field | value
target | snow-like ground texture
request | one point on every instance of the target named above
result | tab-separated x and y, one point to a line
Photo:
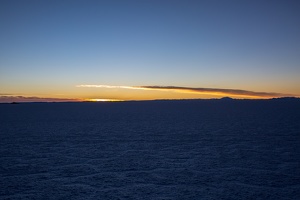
216	149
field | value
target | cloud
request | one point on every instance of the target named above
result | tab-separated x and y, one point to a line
211	91
107	86
216	91
5	94
8	99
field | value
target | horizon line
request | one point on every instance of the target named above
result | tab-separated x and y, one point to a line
142	100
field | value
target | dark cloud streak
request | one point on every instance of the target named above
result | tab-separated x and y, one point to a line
234	92
8	99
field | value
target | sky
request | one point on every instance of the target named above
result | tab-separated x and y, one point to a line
74	50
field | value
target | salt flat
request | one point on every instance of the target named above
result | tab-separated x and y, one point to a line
200	149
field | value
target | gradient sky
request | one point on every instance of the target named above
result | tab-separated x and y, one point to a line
55	50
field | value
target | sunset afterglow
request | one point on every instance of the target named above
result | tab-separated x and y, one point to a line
145	50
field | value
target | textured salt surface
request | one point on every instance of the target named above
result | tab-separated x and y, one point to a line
150	150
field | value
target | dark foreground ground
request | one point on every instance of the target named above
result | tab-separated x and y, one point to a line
217	149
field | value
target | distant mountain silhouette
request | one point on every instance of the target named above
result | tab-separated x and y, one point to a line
226	99
286	99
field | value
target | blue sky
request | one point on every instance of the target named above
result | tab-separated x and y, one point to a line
49	47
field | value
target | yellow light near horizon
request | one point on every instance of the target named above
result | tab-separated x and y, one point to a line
103	100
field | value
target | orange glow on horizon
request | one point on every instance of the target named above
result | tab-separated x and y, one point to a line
212	92
108	93
103	100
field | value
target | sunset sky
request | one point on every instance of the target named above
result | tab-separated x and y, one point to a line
63	50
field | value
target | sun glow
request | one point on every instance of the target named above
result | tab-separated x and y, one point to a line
102	100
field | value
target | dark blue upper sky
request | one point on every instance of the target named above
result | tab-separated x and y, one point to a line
244	44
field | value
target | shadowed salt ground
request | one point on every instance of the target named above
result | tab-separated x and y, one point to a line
150	150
